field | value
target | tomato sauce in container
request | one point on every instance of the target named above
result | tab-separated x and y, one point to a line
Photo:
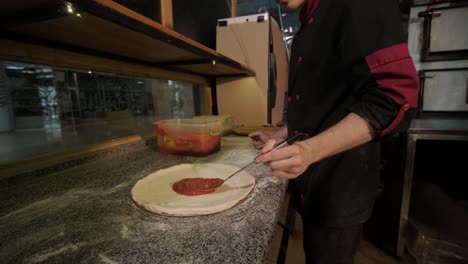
188	136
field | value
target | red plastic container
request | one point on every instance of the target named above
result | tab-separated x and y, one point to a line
189	136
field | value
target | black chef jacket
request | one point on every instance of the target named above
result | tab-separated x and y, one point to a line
348	56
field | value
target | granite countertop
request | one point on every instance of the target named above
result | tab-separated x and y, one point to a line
84	213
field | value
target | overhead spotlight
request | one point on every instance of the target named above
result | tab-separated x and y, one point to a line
70	9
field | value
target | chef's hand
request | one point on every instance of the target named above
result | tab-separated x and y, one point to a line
259	138
287	162
293	160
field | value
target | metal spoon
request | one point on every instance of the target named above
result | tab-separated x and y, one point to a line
288	141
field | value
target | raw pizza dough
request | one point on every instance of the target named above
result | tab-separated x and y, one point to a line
154	192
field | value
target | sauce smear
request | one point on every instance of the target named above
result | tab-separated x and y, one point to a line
196	186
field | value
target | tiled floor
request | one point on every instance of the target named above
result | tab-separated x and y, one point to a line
367	252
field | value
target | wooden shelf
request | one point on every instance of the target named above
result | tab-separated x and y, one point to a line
105	29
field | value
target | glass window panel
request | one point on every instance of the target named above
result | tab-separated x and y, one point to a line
45	110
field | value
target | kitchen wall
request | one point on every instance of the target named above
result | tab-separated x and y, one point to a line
198	19
194	19
45	109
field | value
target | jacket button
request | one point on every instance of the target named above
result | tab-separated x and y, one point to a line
299	59
311	20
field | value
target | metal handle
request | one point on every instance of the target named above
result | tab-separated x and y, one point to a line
429	14
426	76
289	140
466	91
296	137
423	76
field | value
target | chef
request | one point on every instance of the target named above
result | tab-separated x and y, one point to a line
351	82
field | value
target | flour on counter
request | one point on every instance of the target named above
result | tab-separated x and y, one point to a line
106	259
40	257
265	181
124	231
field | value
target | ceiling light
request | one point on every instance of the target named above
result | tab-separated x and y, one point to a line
70	9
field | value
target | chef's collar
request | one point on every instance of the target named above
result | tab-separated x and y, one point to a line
307	10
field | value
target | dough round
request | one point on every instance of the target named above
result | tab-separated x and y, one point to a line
154	192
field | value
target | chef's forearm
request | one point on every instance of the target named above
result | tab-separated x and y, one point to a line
350	132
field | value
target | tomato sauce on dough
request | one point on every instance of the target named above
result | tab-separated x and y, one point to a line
196	186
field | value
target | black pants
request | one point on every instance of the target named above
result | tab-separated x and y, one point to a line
335	196
331	245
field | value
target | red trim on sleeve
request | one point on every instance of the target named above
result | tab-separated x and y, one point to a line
396	121
395	74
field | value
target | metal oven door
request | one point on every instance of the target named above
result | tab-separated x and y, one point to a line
445	33
444	92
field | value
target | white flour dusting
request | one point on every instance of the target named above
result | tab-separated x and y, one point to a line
40	257
124	231
106	259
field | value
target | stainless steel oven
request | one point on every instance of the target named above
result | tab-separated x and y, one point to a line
438	43
444	92
445	32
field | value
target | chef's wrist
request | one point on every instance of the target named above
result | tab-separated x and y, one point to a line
314	152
